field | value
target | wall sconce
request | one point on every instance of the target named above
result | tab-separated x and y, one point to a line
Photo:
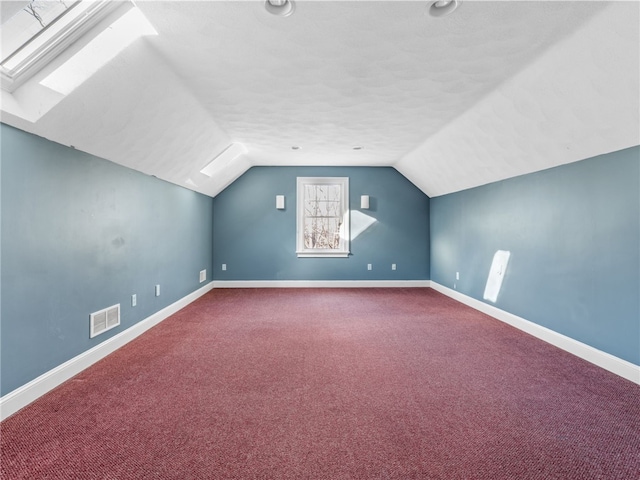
364	202
280	202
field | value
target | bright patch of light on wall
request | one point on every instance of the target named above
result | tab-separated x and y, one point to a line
99	51
360	222
496	275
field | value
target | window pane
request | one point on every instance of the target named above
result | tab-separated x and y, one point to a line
29	22
322	209
322	233
322	200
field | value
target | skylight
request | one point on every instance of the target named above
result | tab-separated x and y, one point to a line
28	23
41	30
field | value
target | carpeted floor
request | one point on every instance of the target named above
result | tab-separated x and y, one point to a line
330	384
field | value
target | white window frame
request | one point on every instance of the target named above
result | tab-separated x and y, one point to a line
53	40
343	250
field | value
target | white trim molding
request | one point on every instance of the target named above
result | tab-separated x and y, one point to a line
602	359
24	395
320	283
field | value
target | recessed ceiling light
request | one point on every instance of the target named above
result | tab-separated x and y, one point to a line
295	147
440	8
358	147
281	8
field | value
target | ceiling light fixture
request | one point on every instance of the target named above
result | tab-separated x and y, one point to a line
295	147
358	147
441	8
281	8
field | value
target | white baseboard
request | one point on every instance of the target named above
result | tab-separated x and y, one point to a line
602	359
24	395
319	283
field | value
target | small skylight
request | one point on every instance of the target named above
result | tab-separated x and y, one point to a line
224	158
41	30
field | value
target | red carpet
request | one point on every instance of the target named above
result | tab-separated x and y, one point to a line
331	384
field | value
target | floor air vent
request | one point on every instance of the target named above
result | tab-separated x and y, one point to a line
105	320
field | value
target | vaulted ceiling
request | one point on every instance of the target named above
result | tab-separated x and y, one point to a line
494	90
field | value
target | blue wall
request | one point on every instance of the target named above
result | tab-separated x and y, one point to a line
80	234
574	237
258	242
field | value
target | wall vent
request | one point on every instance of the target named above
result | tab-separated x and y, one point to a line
104	320
203	275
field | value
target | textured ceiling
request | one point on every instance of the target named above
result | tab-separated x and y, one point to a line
496	89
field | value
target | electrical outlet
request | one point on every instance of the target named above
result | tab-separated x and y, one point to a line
457	275
393	266
157	290
369	266
134	300
224	267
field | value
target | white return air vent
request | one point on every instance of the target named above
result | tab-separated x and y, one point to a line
105	320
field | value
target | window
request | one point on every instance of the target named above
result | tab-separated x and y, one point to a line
323	217
42	29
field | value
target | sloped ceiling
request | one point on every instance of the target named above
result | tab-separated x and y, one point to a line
494	90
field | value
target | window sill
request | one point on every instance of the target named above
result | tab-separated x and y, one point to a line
323	253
